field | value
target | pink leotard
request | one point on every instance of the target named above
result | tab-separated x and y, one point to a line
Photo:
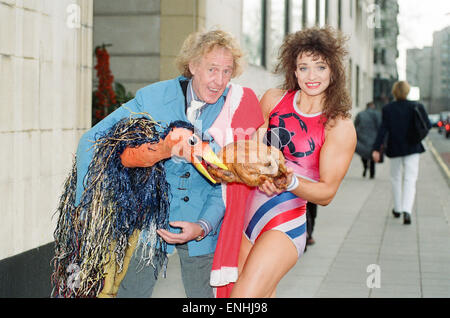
300	137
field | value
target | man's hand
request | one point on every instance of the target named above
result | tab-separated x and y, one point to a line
189	232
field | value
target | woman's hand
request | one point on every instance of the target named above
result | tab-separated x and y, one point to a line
376	156
270	189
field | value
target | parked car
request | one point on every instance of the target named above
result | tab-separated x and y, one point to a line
434	119
444	121
447	127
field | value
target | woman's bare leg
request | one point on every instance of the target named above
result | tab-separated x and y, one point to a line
270	258
244	250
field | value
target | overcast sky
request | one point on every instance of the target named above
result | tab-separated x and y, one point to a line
418	19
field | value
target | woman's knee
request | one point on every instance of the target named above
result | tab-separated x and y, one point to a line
270	258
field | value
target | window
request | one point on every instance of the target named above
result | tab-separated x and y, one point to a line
296	15
339	14
311	13
357	86
377	33
377	86
321	12
278	28
349	79
358	20
253	29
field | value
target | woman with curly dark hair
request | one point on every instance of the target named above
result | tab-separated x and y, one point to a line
308	119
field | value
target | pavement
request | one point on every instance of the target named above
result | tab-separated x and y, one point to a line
361	250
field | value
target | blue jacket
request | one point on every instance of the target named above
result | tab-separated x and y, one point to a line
193	196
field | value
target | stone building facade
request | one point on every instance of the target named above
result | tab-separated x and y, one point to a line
45	87
46	83
429	69
147	35
385	51
419	72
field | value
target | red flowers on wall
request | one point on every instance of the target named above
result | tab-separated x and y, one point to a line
105	99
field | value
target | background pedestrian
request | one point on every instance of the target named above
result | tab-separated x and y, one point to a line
404	153
367	123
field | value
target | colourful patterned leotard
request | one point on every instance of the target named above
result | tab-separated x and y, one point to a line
300	137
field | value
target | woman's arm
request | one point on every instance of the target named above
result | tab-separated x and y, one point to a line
335	157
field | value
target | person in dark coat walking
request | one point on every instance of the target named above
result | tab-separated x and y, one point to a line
367	123
403	153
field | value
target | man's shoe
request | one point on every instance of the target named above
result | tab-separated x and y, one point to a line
396	214
406	218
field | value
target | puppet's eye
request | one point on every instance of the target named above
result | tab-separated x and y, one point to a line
193	140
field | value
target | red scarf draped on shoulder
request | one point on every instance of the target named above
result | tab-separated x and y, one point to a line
241	115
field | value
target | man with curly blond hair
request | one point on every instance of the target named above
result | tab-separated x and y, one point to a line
207	62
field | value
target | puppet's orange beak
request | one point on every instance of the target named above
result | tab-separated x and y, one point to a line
207	157
183	143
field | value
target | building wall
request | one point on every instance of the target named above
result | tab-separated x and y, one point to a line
386	39
173	20
228	15
45	86
429	69
419	73
132	27
385	46
354	17
179	18
440	92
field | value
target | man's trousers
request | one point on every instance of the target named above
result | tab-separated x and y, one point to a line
195	272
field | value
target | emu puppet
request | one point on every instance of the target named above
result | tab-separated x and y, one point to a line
123	203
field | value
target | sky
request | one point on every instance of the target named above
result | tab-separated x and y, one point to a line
418	19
